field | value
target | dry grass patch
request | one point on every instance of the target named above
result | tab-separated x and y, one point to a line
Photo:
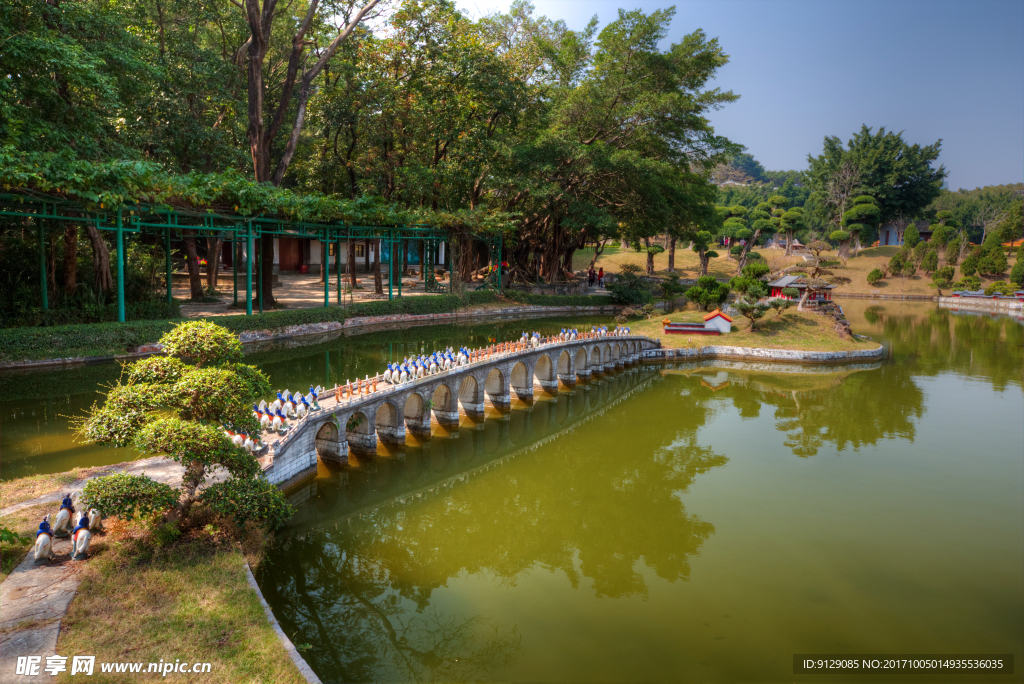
800	330
687	265
25	488
190	601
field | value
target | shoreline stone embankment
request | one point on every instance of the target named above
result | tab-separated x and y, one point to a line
763	354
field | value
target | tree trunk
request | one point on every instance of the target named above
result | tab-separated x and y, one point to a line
746	250
213	249
70	258
192	264
100	259
422	258
650	257
789	243
351	265
803	299
323	260
366	255
672	255
704	260
378	285
625	244
598	250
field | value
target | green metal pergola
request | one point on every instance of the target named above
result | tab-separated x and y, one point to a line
47	210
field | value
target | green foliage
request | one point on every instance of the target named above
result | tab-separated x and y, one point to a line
252	500
943	276
875	276
756	270
790	292
839	236
1017	272
188	441
971	282
780	305
749	305
940	235
118	420
628	287
930	261
708	292
1000	287
128	496
993	263
743	284
203	342
899	261
156	370
911	236
971	208
8	536
952	252
969	266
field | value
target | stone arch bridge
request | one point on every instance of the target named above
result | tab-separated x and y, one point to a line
358	423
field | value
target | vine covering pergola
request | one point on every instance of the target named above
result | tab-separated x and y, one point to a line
48	210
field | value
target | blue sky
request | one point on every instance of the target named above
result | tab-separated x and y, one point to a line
807	69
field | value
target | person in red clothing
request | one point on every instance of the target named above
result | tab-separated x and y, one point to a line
600	277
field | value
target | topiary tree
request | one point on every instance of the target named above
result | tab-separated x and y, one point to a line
930	262
816	275
756	270
1017	272
856	222
943	277
702	246
628	287
780	305
790	222
969	266
166	405
765	219
875	276
911	236
993	263
749	304
708	291
672	288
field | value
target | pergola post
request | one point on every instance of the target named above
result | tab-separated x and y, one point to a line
249	246
120	268
326	270
263	246
234	267
167	262
42	264
391	261
337	265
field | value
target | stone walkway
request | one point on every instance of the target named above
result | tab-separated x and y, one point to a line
33	599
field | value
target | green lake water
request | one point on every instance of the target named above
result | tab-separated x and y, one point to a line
687	522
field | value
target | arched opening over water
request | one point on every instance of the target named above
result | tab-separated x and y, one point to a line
417	419
360	433
606	354
581	360
389	428
564	363
470	401
496	389
328	444
443	410
595	356
521	386
543	373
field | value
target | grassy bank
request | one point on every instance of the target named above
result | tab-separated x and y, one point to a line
24	522
108	339
190	601
799	330
25	488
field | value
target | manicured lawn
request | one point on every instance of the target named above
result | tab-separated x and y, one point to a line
687	264
25	488
793	330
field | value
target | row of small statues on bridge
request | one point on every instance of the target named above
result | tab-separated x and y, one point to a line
88	523
274	416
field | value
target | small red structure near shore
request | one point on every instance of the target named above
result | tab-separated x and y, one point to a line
715	323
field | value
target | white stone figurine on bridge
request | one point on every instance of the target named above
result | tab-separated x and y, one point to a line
95	520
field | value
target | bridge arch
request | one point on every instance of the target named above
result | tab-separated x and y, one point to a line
606	354
360	433
544	374
417	418
389	424
328	444
595	356
564	363
496	388
520	384
470	401
581	360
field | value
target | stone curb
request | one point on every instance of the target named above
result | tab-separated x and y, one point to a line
761	354
293	652
982	304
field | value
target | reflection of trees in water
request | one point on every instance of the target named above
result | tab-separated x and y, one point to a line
360	591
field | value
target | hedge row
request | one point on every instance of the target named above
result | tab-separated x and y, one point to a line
106	339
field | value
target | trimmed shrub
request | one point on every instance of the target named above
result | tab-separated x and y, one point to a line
1000	287
128	496
969	266
911	236
930	262
1017	273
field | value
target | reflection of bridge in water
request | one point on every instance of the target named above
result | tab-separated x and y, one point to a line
358	424
404	473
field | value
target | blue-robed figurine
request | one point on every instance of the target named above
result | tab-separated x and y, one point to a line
44	527
83	524
66	503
